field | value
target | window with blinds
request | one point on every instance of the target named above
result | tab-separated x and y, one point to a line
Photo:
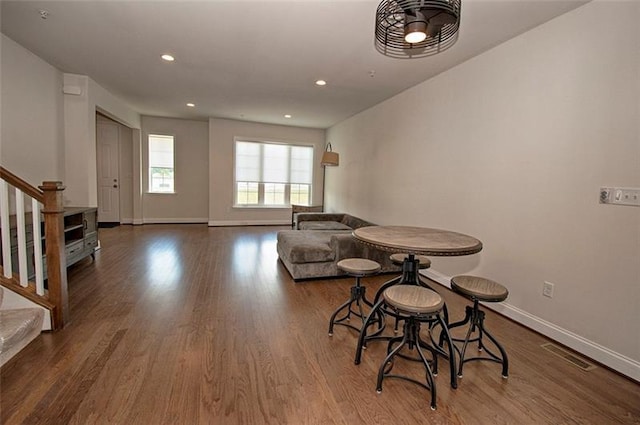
161	164
272	174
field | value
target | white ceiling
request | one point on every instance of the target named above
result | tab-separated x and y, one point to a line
250	60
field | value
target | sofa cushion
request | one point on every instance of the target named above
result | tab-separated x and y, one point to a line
306	246
323	225
354	222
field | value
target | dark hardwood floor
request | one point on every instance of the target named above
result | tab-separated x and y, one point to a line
187	324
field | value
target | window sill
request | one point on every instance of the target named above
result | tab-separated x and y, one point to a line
161	193
263	207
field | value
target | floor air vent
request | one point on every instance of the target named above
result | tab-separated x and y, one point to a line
568	356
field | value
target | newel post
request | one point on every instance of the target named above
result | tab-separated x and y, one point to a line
53	211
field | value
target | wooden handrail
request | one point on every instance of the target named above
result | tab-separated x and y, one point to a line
16	181
50	195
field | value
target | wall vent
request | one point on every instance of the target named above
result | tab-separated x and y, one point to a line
568	356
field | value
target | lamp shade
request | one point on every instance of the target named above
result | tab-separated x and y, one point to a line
330	158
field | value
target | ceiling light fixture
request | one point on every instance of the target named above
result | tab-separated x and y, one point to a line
168	58
321	83
191	105
416	28
287	116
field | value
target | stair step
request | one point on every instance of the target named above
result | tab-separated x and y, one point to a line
18	327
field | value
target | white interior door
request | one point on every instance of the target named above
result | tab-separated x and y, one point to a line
108	179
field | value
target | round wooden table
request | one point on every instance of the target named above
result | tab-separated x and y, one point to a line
415	241
418	240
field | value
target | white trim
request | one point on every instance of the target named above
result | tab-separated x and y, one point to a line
616	361
126	221
216	223
23	272
4	224
181	220
37	246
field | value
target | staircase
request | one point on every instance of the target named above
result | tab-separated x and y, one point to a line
32	250
18	327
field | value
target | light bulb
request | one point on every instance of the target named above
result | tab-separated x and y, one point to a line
415	37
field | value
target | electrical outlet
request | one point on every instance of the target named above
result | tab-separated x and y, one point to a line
547	289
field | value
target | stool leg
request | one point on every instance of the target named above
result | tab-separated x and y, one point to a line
467	319
335	313
410	337
464	349
445	335
503	359
429	375
356	296
363	332
386	360
476	319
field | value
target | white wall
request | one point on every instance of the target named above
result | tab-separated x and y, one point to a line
80	135
190	202
221	140
512	147
31	115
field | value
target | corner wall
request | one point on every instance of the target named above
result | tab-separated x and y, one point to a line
512	147
31	115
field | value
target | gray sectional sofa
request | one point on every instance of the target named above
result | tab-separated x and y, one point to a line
320	241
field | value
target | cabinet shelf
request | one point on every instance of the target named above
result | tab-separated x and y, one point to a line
80	237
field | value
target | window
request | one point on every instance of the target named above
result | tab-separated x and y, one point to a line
272	174
300	194
161	170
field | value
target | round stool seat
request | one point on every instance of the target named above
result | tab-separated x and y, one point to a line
359	266
479	288
413	299
423	260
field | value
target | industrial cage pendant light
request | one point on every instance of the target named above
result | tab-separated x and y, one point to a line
416	28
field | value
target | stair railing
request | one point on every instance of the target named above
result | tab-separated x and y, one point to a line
17	213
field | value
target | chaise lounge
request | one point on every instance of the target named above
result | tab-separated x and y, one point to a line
320	241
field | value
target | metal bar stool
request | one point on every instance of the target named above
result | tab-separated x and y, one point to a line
478	289
415	305
359	268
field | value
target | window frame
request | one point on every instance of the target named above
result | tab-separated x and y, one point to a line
261	185
148	174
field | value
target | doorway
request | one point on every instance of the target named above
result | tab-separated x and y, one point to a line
108	145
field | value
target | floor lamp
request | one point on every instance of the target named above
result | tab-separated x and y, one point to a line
329	159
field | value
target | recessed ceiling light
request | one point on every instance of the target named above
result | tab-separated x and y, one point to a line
287	116
168	58
191	105
321	83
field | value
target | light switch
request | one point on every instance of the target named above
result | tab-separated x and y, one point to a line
620	196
